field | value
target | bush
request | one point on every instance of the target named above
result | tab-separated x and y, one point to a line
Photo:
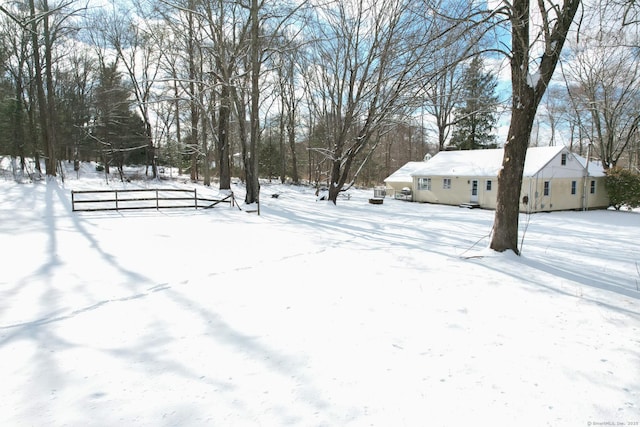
623	187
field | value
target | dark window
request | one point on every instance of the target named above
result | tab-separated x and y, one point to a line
563	160
593	187
573	187
489	184
547	188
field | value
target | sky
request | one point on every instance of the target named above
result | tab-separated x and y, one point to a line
311	314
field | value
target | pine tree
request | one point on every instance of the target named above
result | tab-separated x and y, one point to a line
476	118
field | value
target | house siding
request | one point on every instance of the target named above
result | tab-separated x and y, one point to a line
460	191
560	197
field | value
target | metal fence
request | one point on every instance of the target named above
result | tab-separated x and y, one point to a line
156	198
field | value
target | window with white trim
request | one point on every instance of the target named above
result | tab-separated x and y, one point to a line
489	185
446	183
547	188
424	184
592	188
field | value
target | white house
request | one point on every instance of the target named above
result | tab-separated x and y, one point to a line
553	179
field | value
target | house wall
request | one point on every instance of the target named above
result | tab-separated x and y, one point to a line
560	195
459	191
599	200
559	198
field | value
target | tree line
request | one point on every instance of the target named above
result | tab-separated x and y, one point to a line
330	92
333	92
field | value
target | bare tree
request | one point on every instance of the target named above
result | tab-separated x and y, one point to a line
184	59
443	93
368	59
604	81
15	47
288	86
139	50
533	62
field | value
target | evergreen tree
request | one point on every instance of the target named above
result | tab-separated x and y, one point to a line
476	118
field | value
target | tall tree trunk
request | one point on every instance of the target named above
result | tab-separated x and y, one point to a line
192	50
50	148
224	113
292	145
251	166
178	121
152	158
281	139
505	227
43	106
526	96
206	151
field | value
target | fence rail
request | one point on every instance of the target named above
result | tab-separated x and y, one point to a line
156	198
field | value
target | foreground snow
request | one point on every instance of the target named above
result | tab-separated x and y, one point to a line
312	314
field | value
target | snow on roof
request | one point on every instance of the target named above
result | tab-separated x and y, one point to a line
404	174
595	166
484	162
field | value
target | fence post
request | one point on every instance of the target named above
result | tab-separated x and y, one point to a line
117	207
157	201
195	197
73	201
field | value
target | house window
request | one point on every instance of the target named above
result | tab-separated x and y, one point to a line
593	187
574	185
446	183
563	159
489	184
424	184
547	188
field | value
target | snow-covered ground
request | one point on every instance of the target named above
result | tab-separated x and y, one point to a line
312	314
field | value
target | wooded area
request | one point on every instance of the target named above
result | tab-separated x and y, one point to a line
333	93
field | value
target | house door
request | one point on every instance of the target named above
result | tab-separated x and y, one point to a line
474	191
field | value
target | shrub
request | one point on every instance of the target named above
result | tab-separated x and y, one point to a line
623	187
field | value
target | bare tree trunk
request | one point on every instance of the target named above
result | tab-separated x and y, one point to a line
526	97
47	131
50	149
224	113
292	144
281	139
192	50
505	227
251	166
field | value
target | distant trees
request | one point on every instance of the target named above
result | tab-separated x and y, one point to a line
476	117
604	88
367	61
119	132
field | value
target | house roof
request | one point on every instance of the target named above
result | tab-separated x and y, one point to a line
483	162
595	167
405	173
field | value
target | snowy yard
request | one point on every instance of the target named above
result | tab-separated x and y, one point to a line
312	314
